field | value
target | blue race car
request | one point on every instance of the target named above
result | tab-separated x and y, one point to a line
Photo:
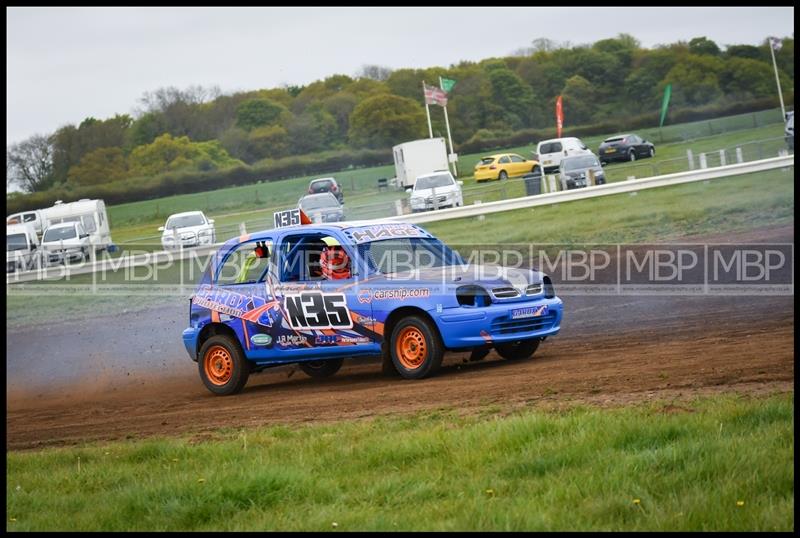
317	294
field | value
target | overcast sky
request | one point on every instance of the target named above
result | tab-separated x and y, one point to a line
64	64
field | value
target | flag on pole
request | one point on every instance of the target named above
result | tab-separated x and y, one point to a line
435	96
775	43
665	104
446	84
559	116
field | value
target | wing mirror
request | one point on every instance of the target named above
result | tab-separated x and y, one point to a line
211	221
460	182
160	228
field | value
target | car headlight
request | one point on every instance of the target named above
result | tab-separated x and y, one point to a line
205	232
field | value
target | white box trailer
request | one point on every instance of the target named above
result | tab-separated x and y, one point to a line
91	213
417	158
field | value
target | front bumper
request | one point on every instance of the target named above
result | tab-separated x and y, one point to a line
60	256
466	327
190	341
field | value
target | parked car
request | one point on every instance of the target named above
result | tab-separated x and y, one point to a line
625	147
322	207
189	229
550	152
436	191
64	242
395	296
503	166
789	130
575	171
22	247
326	184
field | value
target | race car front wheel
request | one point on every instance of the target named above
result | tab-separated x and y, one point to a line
223	367
416	348
521	349
324	368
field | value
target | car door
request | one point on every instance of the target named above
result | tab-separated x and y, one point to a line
504	164
321	318
519	166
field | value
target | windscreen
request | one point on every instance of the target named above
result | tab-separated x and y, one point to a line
430	182
318	202
16	242
59	234
587	161
407	254
487	160
184	221
614	139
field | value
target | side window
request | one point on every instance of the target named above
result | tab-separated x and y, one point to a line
248	264
517	159
504	159
29	217
555	147
88	223
301	258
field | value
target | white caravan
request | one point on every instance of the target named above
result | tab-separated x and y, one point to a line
90	213
418	158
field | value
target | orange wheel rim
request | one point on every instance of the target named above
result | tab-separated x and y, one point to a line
218	365
411	348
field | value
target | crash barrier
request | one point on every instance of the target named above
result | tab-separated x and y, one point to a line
476	209
619	187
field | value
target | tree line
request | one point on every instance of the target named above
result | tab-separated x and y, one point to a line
199	129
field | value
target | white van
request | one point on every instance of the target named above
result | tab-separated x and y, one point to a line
22	247
550	152
33	217
90	213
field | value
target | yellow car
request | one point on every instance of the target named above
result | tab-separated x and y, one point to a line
502	166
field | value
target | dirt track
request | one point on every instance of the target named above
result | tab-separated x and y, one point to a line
611	350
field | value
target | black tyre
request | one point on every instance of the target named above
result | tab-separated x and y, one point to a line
632	155
521	349
502	175
223	367
320	369
416	347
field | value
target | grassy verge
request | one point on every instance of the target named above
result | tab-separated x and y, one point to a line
717	206
720	463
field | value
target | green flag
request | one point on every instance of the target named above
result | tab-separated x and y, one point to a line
447	84
665	103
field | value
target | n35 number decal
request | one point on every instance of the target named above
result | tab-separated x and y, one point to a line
290	217
316	310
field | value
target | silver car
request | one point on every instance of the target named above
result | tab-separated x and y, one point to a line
575	171
322	207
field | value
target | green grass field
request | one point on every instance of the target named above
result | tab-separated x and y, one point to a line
136	224
722	463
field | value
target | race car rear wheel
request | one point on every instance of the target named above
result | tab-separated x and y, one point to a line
503	175
521	349
324	368
223	367
416	347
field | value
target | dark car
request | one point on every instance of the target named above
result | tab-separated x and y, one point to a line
326	184
627	147
322	207
575	171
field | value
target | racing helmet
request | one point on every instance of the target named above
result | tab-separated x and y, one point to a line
334	261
